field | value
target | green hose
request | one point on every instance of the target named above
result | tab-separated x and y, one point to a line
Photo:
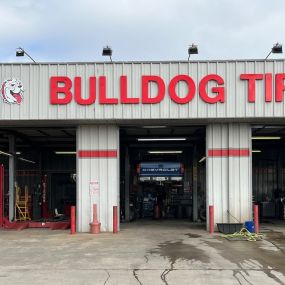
244	234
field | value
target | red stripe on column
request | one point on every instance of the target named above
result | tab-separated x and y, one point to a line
239	152
97	153
215	152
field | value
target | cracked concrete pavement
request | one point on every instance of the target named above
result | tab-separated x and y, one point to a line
148	252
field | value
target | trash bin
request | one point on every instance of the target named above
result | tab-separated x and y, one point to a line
229	228
249	225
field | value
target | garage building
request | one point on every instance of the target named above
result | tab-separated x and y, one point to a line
156	139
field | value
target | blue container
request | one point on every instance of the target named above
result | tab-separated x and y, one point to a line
249	225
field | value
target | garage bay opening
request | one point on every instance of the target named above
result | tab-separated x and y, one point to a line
268	171
163	173
40	174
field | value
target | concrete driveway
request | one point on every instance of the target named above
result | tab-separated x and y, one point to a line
149	252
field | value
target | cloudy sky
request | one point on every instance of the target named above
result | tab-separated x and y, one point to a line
76	30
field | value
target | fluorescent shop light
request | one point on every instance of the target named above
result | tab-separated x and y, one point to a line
202	159
18	152
5	153
65	152
256	150
160	139
165	151
266	138
26	160
154	127
266	127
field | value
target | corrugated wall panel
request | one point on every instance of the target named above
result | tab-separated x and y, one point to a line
36	80
240	185
220	109
269	67
229	171
193	106
217	171
102	170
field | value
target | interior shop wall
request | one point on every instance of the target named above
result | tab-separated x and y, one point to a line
268	176
58	168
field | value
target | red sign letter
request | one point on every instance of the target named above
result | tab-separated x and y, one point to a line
251	84
146	99
191	89
92	91
55	90
102	92
268	87
219	90
124	92
279	86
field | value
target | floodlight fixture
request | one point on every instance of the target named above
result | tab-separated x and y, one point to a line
107	51
21	52
277	48
193	49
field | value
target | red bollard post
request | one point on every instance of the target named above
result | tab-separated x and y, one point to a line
72	220
256	219
115	219
211	219
95	225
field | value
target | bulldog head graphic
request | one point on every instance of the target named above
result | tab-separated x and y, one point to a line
12	91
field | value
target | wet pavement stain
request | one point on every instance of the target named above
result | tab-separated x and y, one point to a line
174	251
277	239
243	253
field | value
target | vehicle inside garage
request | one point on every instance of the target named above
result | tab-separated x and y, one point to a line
163	173
40	166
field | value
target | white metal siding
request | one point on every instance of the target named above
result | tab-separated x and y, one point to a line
229	186
36	104
103	170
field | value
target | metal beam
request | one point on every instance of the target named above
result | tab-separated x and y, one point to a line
195	184
11	178
127	185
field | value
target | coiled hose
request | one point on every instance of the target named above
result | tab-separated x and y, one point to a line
244	234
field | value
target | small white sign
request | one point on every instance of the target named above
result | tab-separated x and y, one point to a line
94	188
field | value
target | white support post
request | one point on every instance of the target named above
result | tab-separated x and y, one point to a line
229	171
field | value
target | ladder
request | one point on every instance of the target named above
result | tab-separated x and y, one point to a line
22	205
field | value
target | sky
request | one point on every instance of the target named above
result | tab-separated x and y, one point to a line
140	30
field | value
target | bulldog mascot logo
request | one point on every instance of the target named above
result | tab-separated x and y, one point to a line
12	91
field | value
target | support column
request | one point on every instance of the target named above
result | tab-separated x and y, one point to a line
97	174
127	185
11	178
195	184
229	171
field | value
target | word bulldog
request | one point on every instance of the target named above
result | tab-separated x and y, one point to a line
61	90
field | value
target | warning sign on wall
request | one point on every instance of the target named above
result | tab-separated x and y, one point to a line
94	188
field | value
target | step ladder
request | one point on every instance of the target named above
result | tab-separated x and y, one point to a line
22	205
